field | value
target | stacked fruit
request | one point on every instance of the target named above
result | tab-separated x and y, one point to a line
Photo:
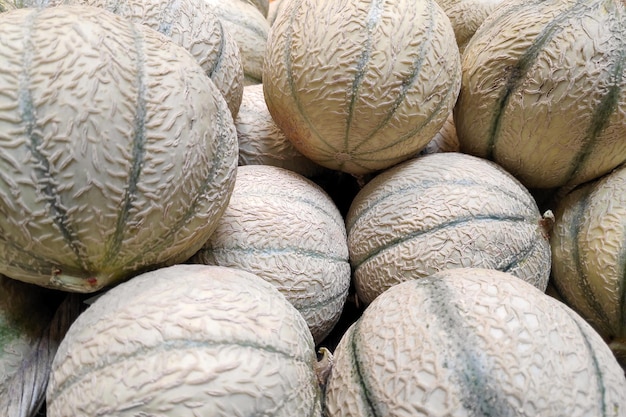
312	207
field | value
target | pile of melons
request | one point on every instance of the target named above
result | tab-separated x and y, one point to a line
327	208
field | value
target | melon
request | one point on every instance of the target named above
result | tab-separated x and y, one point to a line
261	142
589	255
543	90
250	29
287	230
440	211
360	86
118	153
190	24
445	140
466	16
186	341
472	342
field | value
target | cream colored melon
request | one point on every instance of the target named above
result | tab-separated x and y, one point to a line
544	90
261	142
249	27
466	16
118	153
190	24
287	230
440	211
360	86
445	140
589	262
473	342
187	341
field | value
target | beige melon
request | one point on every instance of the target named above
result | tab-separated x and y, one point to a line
589	256
118	153
440	211
261	142
249	27
287	230
360	86
472	342
466	16
544	90
187	341
445	140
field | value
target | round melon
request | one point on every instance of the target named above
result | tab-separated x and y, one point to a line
118	153
589	256
261	142
472	342
543	90
249	27
440	211
287	230
466	16
360	86
187	341
190	24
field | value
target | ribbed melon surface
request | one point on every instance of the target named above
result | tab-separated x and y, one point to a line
358	86
187	341
261	142
589	262
544	90
472	342
444	210
116	154
287	230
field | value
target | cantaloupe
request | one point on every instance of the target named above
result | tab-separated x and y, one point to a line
284	228
445	140
261	142
589	262
544	90
187	341
439	211
117	152
472	342
190	24
250	28
466	16
360	86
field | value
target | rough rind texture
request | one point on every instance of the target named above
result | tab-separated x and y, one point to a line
249	27
360	86
544	90
445	140
288	231
444	210
117	152
466	16
187	340
190	24
472	342
589	254
261	142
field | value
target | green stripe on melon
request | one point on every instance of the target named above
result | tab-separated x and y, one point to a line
373	99
559	64
109	177
472	342
444	210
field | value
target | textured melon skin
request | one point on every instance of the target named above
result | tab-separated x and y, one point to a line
247	24
544	93
287	230
360	86
261	142
117	152
444	210
472	342
187	340
589	255
190	24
